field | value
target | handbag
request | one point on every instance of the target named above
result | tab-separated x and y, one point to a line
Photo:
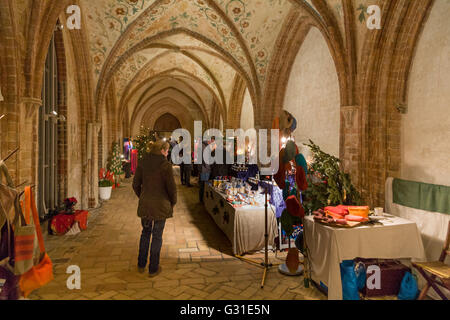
349	281
408	288
24	241
391	273
42	273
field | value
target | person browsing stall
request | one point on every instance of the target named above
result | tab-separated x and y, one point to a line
154	184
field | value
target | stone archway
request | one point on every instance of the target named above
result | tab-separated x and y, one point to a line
167	123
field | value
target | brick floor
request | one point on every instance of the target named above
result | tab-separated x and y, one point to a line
196	258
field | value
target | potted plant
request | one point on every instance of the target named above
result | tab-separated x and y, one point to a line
105	184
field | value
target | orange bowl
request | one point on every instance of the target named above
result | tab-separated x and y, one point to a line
359	211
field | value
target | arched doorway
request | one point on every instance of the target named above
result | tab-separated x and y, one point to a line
166	124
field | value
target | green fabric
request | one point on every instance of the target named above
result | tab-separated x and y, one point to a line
287	223
423	196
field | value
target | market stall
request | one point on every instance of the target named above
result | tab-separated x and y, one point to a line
241	221
389	238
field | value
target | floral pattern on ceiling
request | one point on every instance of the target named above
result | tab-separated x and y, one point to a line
107	20
128	72
259	22
194	15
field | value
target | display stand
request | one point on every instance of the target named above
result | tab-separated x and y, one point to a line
265	265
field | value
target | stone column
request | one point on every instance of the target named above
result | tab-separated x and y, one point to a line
28	140
92	170
350	142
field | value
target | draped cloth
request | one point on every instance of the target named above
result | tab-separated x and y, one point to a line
134	160
328	247
422	196
243	226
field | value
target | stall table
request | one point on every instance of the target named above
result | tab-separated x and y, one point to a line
244	226
394	238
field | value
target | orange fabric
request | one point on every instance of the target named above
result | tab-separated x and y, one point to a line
37	277
42	273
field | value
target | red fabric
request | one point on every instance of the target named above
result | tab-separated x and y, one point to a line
280	176
134	160
300	178
341	210
81	216
62	223
294	207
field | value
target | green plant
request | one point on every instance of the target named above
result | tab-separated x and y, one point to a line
115	163
105	183
328	185
142	143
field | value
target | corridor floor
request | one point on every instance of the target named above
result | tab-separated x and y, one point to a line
196	259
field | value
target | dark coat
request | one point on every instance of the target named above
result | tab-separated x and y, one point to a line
154	184
222	169
204	167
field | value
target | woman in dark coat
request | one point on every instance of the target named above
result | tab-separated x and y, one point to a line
154	184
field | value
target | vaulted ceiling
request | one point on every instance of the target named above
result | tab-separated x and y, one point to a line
197	47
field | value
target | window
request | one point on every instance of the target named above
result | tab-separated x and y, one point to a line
48	136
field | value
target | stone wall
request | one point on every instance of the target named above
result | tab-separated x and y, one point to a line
425	129
312	95
247	113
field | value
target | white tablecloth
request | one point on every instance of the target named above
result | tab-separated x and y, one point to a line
397	238
244	226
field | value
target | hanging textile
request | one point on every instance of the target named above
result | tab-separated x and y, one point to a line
134	160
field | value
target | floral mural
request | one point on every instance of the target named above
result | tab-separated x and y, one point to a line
242	31
107	20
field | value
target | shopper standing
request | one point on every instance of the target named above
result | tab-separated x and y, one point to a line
205	169
182	165
154	184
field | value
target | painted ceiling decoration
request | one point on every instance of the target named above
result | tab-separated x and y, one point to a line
206	43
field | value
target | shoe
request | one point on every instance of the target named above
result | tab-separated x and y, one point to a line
141	270
152	275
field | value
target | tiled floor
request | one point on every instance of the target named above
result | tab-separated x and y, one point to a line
196	259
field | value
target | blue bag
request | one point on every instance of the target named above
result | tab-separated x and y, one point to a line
361	275
349	281
408	289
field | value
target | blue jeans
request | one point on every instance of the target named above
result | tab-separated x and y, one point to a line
155	230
